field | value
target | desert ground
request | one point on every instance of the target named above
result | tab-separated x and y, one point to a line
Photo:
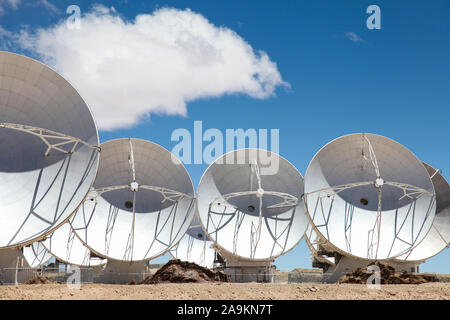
227	291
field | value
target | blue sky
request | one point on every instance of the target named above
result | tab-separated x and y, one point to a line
394	81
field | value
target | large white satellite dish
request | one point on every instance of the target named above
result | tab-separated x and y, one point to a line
141	204
195	246
438	238
250	214
36	254
48	150
369	197
64	245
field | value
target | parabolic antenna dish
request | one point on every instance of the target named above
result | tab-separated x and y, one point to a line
438	238
48	150
36	254
141	205
195	246
369	196
66	247
249	203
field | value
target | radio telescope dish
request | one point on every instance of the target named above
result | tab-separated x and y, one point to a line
438	238
141	205
195	246
250	209
36	255
66	247
48	150
369	197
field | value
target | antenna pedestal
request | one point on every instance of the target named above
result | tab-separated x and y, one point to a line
242	270
14	267
122	272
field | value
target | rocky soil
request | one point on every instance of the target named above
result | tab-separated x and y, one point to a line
388	275
40	280
228	291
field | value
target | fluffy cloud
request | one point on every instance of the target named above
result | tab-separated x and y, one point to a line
156	63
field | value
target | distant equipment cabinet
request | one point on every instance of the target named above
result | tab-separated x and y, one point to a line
249	204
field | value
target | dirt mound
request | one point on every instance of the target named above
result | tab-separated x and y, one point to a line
388	276
40	280
177	271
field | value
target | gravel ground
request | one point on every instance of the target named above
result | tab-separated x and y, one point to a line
228	291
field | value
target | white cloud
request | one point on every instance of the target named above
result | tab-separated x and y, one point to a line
126	70
8	4
353	37
50	6
8	40
14	4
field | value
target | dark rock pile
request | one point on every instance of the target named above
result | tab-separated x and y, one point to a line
40	280
388	275
177	271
